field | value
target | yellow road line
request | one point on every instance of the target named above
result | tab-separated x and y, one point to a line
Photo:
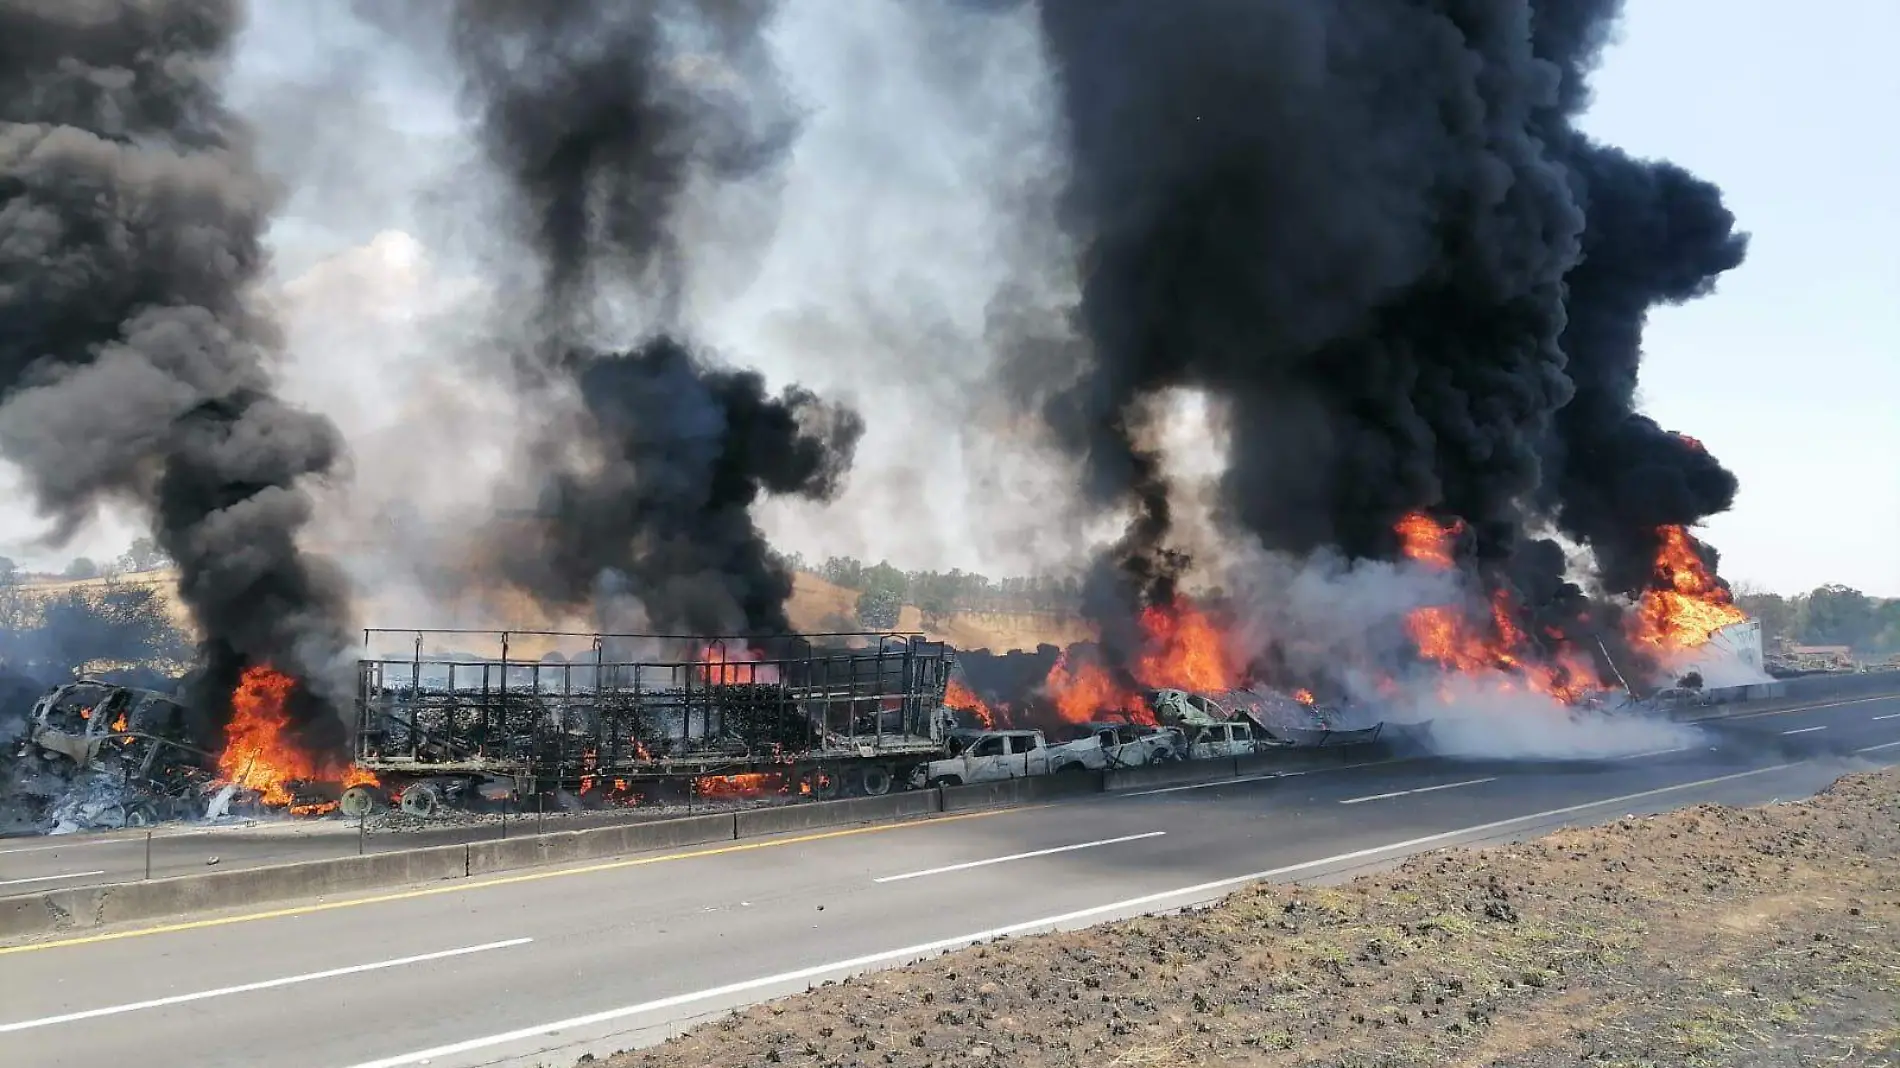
507	880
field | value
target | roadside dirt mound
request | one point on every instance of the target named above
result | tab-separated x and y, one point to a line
1710	936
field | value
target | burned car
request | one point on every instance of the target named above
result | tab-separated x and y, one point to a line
140	738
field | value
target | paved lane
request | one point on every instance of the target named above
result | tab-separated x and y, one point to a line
602	956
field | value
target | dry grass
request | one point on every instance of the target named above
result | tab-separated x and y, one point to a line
1707	937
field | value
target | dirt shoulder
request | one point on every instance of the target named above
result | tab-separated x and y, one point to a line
1710	936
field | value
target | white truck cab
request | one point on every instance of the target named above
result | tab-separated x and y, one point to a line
1210	741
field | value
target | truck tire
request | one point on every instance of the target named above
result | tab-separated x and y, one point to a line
1071	768
825	784
357	802
421	800
876	780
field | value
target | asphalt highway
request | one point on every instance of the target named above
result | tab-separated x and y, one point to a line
35	864
538	967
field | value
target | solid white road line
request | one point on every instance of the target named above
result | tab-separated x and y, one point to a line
1420	790
1260	778
1797	708
1877	748
1895	715
1197	891
1216	782
268	984
1658	752
1805	730
50	878
1017	856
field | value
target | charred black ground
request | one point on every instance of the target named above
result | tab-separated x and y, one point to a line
1373	232
132	367
599	117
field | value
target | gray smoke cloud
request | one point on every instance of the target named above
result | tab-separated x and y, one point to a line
134	366
600	121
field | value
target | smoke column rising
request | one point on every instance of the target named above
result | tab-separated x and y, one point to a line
131	365
601	118
1371	231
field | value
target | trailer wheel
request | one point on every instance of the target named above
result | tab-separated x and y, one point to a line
421	799
824	783
142	814
357	802
877	780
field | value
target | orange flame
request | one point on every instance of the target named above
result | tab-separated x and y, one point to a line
1182	648
1444	635
258	753
1425	540
1304	697
1185	651
1685	605
729	667
749	784
963	699
119	725
1083	691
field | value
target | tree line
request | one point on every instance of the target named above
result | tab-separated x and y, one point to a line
1826	615
883	590
105	629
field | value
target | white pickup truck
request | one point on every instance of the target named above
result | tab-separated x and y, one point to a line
987	756
1119	745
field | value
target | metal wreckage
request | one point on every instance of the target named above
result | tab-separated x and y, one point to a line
813	716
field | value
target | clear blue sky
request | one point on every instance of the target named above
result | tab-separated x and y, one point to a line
1791	371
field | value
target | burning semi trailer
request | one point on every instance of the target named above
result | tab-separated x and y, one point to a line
818	716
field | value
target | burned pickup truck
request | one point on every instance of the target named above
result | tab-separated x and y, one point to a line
138	741
1274	720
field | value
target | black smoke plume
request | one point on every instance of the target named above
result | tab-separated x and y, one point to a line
1657	235
1371	230
600	117
132	366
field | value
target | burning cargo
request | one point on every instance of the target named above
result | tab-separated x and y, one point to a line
826	714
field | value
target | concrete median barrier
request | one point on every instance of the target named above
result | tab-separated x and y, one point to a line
1022	791
1805	689
1172	773
567	847
907	804
94	906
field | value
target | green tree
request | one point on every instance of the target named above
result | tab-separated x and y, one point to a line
144	555
1840	615
1780	616
878	609
82	567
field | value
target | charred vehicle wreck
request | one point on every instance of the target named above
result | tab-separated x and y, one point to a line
136	744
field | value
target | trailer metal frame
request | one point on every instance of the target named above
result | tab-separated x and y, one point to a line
722	705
